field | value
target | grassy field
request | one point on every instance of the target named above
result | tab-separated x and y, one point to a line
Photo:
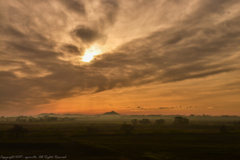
102	138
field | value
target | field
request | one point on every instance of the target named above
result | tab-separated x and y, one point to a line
103	137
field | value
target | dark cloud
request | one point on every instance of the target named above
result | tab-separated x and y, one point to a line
175	54
11	31
72	49
166	108
86	34
176	39
32	50
179	107
75	6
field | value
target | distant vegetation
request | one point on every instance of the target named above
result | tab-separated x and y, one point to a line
17	131
144	121
180	121
135	137
160	121
23	119
134	122
127	128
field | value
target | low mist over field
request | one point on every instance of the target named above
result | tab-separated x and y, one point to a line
118	137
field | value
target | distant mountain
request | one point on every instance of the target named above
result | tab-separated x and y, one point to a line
111	113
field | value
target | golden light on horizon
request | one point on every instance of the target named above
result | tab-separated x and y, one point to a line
90	53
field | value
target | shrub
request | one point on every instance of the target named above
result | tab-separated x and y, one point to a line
144	121
180	121
18	131
160	121
134	122
127	128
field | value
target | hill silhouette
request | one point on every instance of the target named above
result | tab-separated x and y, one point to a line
111	113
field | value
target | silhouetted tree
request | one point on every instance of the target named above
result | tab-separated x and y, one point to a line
66	119
18	130
48	119
32	119
144	121
180	121
52	119
160	121
127	128
134	122
2	118
21	119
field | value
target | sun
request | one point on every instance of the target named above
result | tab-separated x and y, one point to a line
90	53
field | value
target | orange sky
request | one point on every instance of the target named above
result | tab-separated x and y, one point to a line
136	57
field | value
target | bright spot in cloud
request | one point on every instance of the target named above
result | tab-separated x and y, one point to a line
90	53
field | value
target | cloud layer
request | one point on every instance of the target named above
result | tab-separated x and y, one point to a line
42	43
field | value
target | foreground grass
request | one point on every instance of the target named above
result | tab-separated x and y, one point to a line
145	146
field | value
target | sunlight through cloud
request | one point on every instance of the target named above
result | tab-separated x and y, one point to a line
90	53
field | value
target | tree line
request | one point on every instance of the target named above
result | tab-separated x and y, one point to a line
30	119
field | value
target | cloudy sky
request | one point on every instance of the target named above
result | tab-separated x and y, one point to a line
133	57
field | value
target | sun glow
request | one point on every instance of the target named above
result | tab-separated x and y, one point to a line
90	53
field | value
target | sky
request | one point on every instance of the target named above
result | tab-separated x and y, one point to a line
136	57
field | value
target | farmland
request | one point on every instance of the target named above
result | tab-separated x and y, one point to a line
103	137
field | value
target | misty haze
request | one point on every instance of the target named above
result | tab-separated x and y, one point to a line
120	80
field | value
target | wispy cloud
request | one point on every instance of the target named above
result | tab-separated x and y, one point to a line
204	41
179	107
